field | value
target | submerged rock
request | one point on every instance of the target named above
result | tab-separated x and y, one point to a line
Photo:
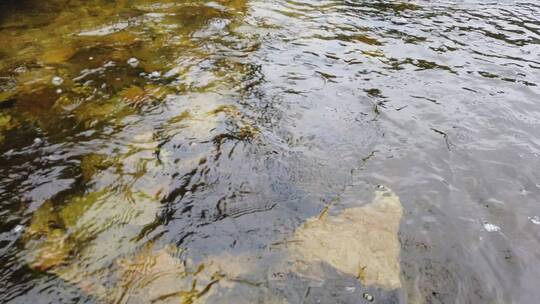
52	251
110	111
358	244
161	277
158	277
98	226
361	241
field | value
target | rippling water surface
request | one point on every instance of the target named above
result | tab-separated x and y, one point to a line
250	151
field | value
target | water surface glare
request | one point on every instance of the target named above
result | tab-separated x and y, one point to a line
269	151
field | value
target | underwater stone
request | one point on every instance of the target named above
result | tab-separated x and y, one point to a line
360	241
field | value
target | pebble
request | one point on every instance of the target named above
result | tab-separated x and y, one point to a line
59	91
38	141
57	80
491	227
133	62
155	74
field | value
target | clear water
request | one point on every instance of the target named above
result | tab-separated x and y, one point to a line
246	151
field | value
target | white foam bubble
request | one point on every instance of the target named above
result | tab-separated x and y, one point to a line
18	228
491	227
535	220
133	62
56	81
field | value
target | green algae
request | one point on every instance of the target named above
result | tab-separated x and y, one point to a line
7	122
92	164
185	115
73	37
107	111
84	223
137	96
76	207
